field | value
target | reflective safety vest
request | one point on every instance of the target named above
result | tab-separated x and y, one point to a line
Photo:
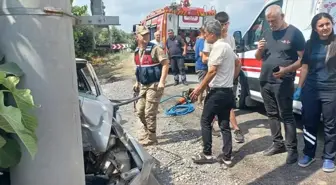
148	71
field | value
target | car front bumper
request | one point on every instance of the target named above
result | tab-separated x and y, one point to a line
146	176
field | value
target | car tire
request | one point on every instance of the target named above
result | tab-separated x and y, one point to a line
241	92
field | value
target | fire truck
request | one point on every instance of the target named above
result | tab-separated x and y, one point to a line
183	19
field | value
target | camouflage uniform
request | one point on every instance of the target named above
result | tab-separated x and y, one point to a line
147	106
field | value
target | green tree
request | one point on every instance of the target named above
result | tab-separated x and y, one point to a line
102	36
83	34
120	36
116	35
79	10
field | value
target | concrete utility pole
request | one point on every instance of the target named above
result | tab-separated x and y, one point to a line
43	47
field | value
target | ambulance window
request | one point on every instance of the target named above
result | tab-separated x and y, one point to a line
152	30
256	31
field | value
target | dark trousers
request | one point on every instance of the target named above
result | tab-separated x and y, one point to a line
278	101
177	66
314	103
218	102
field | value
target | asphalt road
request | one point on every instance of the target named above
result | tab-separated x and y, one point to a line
179	139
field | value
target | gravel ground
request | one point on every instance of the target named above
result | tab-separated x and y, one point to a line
179	140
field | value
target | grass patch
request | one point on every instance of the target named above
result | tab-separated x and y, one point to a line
107	67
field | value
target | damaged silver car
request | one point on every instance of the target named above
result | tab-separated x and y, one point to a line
111	155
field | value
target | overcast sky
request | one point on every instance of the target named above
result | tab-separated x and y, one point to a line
242	12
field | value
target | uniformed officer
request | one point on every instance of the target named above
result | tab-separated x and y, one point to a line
152	67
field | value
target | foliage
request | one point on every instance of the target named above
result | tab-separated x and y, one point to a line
82	34
15	120
83	40
97	60
83	37
120	36
79	10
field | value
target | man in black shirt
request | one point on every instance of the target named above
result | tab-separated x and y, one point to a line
176	54
280	50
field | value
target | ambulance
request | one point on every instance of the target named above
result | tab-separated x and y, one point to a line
183	19
298	13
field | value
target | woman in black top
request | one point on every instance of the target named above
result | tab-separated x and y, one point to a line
318	96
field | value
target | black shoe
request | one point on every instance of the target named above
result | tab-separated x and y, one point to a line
272	146
292	157
239	137
185	83
274	149
176	83
225	161
203	159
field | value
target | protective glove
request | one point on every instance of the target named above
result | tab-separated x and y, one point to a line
297	93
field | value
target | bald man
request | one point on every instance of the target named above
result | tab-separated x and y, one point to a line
157	39
280	49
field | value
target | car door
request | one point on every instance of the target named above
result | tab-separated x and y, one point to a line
95	108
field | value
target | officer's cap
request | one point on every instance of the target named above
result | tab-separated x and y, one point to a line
142	30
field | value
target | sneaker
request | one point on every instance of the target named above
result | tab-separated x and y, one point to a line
185	83
227	162
328	165
306	161
203	159
239	137
176	83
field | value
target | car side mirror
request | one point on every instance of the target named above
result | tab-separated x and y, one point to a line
237	35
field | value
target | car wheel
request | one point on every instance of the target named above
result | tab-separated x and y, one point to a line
240	93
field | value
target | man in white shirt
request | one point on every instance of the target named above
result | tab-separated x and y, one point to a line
219	100
223	18
157	39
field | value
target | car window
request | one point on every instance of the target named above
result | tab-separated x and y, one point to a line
85	82
82	86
